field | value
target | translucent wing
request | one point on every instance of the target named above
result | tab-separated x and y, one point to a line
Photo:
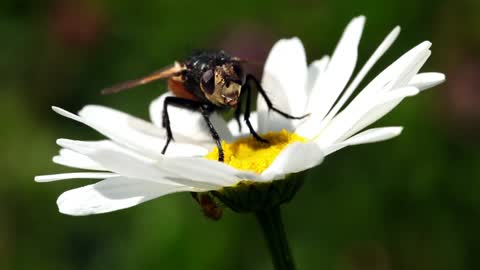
163	73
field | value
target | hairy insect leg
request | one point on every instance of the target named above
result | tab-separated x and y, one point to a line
166	120
179	102
238	113
251	78
248	90
205	110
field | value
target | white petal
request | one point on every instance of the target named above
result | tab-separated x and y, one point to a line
111	195
361	74
314	124
354	119
73	159
135	133
130	164
284	80
198	169
403	65
286	69
339	70
378	98
316	72
308	127
367	136
115	121
115	158
359	113
129	131
426	80
409	71
294	158
374	135
388	103
188	125
273	121
67	114
79	175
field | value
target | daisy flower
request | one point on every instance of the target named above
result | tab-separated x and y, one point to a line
133	170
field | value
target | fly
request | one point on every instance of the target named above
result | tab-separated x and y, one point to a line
205	82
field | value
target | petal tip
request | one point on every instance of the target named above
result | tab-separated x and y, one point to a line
426	44
87	109
414	91
294	39
359	21
290	42
441	77
67	207
396	30
62	141
355	25
66	113
360	18
59	110
396	131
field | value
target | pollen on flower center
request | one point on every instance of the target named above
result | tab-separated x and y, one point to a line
252	155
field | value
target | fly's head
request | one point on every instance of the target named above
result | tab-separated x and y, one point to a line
222	84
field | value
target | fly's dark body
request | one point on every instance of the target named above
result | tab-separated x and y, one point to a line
205	82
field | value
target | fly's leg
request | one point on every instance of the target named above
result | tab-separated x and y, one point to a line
248	91
238	112
206	111
251	79
204	108
178	102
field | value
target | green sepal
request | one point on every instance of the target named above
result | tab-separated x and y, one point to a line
249	196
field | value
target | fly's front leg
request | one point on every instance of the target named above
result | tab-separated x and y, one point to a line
206	111
251	79
179	102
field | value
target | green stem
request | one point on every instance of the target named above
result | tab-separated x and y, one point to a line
272	226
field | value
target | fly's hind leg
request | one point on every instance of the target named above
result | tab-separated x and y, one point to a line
238	113
249	80
205	109
248	91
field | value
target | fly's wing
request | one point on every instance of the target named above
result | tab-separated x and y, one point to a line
248	61
164	73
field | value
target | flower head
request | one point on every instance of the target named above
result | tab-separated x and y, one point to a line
134	170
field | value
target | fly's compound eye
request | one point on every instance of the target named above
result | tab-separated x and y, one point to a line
208	82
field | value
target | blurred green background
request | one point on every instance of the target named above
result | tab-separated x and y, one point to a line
409	203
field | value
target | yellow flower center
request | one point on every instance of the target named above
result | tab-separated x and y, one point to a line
252	155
